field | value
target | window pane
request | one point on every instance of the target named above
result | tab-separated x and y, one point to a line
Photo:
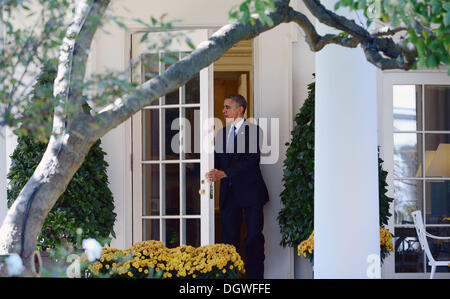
440	250
407	107
191	133
173	97
150	65
150	134
192	232
408	254
150	229
191	195
437	108
407	155
438	158
172	232
192	90
408	196
172	137
437	202
150	69
150	192
172	189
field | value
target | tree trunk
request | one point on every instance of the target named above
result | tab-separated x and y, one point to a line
62	158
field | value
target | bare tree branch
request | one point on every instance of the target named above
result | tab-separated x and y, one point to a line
387	30
382	52
315	41
334	20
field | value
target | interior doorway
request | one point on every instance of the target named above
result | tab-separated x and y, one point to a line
233	73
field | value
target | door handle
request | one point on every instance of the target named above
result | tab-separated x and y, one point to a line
202	191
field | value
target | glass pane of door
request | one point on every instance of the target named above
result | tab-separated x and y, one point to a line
150	193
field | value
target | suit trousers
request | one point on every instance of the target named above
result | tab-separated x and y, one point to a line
231	219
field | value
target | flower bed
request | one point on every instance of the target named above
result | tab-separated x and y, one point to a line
306	247
150	259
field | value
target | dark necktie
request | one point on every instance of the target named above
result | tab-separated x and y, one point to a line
231	140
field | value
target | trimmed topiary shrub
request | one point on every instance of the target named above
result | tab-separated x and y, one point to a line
297	215
296	218
87	203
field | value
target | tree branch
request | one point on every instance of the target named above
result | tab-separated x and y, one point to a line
73	56
315	41
382	52
334	20
387	30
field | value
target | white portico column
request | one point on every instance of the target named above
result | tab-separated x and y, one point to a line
346	212
3	163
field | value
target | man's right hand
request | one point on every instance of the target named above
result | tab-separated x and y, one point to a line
215	175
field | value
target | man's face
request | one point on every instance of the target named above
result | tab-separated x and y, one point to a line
231	110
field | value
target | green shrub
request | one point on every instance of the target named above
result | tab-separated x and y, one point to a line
296	218
297	215
87	202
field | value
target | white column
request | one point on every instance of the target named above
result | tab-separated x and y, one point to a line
3	163
346	212
3	173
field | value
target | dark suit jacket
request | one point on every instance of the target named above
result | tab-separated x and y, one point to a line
244	185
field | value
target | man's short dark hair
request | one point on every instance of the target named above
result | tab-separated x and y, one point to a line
239	100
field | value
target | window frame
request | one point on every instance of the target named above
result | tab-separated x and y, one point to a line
386	81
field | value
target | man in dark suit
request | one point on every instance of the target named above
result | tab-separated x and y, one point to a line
242	188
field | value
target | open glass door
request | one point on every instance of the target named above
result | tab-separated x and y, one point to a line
173	149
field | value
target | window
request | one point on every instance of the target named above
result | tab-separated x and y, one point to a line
421	140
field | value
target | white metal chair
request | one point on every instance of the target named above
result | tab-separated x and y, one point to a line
422	234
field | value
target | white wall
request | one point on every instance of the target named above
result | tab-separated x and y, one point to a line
192	12
303	61
273	99
3	167
3	171
8	142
